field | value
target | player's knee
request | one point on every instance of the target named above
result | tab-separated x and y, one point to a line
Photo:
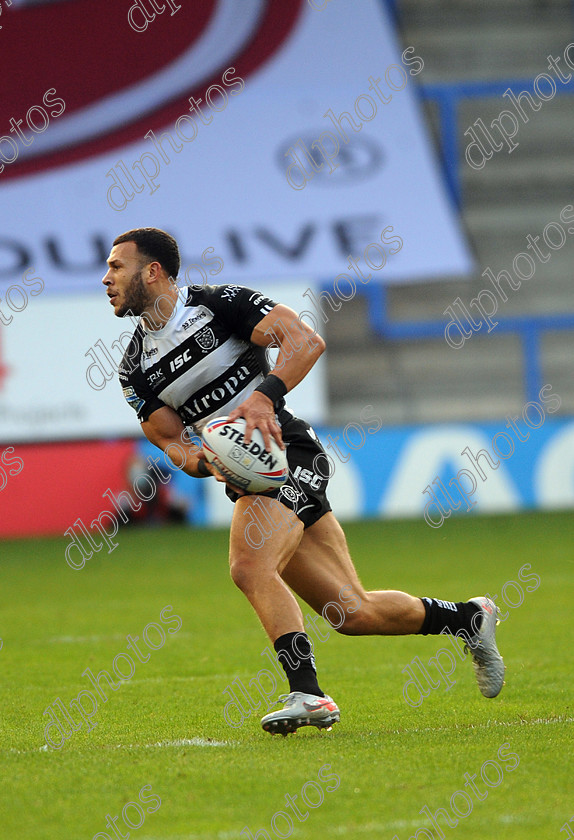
245	572
238	574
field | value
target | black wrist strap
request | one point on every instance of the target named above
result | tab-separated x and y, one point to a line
273	387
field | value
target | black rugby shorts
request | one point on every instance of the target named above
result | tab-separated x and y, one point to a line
309	471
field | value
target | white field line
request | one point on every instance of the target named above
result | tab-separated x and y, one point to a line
461	727
69	640
190	678
179	742
339	830
207	742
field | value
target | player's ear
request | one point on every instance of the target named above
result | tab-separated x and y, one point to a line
154	271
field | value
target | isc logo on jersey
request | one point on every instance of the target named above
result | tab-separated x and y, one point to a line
229	292
179	360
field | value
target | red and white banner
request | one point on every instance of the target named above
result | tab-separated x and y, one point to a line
218	121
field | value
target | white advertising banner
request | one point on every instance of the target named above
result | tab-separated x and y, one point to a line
57	346
285	137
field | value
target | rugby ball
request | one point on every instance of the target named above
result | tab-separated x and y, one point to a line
247	465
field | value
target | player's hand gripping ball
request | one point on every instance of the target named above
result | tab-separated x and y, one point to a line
247	465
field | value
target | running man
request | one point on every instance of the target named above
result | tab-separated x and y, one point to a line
199	353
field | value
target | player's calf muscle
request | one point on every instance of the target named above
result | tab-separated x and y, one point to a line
389	613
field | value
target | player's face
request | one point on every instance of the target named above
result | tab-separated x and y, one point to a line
124	281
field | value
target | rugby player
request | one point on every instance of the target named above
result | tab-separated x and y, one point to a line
200	352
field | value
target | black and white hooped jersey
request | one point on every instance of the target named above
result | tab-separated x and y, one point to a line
202	362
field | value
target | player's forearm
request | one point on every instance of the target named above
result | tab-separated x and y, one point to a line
165	430
292	367
184	456
191	464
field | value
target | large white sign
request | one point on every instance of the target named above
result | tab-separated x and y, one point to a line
315	152
58	364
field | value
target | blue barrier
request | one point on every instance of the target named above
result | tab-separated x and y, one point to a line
386	472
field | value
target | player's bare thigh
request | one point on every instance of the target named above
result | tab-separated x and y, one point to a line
264	536
321	565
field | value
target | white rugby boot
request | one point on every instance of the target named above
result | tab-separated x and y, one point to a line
486	660
301	710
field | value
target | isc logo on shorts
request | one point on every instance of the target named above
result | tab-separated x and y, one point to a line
314	481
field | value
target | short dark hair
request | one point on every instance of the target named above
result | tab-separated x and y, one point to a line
155	244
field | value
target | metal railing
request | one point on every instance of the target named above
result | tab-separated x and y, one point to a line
448	96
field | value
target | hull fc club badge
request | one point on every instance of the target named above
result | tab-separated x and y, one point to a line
206	339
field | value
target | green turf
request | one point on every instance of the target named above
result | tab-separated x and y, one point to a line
391	759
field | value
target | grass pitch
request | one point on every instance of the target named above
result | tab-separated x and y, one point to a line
164	727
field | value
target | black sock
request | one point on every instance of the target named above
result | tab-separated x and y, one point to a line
450	617
295	654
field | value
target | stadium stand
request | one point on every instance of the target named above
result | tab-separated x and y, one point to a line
473	53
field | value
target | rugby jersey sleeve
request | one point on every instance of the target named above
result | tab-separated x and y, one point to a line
135	387
239	308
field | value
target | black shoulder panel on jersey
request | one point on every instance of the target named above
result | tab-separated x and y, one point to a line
239	308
